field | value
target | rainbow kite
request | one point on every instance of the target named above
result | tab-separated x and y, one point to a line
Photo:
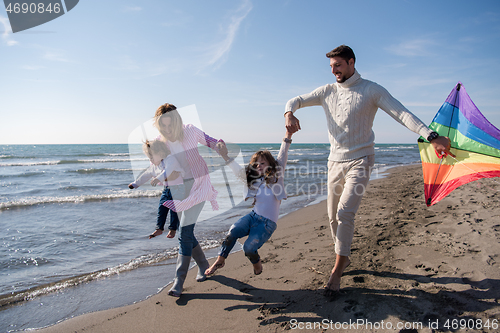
475	142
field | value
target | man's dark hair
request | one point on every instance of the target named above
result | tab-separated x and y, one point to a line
343	51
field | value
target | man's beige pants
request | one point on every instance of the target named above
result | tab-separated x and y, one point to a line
347	182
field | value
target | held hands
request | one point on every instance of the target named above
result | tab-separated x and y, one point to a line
223	152
292	124
155	182
442	145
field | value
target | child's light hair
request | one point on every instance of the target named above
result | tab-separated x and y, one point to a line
155	147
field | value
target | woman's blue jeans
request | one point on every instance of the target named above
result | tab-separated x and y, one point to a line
163	212
258	229
188	218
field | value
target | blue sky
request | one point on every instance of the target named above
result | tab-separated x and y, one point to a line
99	71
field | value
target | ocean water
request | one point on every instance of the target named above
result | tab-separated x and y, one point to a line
74	237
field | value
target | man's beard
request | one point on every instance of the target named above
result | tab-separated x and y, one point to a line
342	79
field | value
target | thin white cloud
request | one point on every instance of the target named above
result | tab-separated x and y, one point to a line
413	48
486	17
419	81
132	9
7	32
217	52
125	62
32	68
209	57
55	55
468	39
178	19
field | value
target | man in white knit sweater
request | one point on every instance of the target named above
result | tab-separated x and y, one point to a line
350	106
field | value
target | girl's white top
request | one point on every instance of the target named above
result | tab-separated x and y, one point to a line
266	203
266	197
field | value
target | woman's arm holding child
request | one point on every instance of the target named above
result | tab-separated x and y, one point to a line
161	178
171	171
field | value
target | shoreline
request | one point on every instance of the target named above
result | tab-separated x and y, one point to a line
410	264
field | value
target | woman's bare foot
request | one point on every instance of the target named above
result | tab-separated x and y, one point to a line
333	284
219	263
171	234
257	268
157	232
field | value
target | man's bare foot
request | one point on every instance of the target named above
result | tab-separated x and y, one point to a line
157	232
171	234
257	268
333	284
219	263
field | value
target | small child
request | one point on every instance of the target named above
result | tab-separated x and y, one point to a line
264	177
164	167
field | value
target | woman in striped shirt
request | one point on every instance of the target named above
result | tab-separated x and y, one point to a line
182	140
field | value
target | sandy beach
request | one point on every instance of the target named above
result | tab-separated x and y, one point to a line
414	269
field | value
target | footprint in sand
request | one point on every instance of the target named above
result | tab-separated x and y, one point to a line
491	260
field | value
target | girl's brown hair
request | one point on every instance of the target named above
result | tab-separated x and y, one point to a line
270	175
170	111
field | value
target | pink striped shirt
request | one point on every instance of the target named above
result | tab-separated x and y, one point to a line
202	189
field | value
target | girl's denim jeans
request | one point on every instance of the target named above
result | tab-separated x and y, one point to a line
258	229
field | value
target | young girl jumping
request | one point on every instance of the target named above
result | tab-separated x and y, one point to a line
264	177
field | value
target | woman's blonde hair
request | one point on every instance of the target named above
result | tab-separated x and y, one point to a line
170	111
